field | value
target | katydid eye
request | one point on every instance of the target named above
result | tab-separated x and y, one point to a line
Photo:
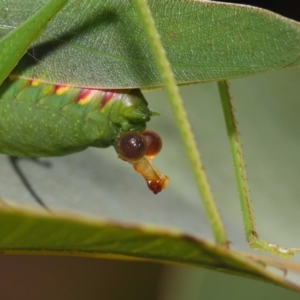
153	141
131	145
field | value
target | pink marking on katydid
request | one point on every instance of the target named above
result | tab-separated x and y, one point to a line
83	94
56	87
60	89
107	96
29	81
86	95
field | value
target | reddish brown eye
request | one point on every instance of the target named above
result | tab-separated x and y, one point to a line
153	141
131	146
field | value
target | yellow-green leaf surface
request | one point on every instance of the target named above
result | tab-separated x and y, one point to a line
71	235
101	43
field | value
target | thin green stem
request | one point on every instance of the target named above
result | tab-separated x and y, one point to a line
181	119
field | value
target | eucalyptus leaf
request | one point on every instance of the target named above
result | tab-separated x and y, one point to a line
102	238
101	43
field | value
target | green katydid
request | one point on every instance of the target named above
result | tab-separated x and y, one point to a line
204	189
56	120
113	113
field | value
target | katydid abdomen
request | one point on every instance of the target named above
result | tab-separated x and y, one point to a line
39	119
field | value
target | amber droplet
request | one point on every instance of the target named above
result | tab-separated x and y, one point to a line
155	185
131	146
153	141
156	181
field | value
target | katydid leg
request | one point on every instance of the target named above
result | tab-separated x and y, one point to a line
240	174
15	164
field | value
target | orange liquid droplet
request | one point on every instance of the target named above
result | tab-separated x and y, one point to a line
156	181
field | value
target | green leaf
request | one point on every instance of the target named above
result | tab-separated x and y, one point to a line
14	45
33	232
101	43
27	231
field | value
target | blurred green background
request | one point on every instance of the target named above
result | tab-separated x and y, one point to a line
267	108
